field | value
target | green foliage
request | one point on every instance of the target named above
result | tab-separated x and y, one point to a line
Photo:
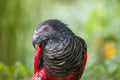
109	70
15	72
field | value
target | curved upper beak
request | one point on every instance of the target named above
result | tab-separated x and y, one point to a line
35	40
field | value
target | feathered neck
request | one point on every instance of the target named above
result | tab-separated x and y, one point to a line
36	57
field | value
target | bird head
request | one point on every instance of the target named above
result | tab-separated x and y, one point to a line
50	29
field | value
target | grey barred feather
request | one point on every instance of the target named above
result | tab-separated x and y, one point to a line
62	58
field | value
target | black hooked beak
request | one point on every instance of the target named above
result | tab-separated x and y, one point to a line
35	40
39	39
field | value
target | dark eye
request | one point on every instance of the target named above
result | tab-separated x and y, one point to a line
45	29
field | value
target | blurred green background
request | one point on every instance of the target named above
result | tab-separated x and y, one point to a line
97	21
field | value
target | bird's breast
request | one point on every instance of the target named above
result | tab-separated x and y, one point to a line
62	58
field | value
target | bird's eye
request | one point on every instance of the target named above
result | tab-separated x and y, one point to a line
45	29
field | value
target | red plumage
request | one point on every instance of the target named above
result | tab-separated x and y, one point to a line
41	73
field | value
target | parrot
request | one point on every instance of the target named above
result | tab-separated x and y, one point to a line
60	53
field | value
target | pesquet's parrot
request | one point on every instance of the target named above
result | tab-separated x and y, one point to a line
60	54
